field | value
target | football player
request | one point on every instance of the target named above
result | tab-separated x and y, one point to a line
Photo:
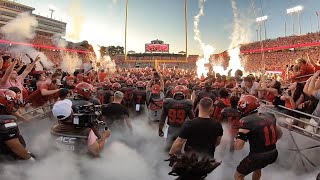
262	132
177	109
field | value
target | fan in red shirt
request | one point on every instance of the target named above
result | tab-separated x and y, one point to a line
102	75
305	69
47	91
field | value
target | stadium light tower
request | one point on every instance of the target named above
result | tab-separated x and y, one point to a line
292	12
263	20
317	13
51	10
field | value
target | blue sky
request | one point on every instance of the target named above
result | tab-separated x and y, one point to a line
102	21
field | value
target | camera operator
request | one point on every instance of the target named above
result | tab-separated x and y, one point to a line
72	137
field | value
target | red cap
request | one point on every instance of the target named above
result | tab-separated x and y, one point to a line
68	78
156	89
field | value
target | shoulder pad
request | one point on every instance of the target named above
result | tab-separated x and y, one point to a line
167	100
247	122
188	102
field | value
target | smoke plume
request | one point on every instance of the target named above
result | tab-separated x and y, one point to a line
206	48
136	156
107	63
240	35
70	62
58	41
96	49
76	15
22	28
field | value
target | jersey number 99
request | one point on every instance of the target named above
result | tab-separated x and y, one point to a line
176	116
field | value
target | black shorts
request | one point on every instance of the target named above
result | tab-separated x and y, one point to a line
255	162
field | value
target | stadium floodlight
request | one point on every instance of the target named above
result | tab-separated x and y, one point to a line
261	19
292	11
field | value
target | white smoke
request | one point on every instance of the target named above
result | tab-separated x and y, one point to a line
58	41
18	50
206	48
241	30
107	64
76	14
21	28
96	49
136	156
241	34
70	62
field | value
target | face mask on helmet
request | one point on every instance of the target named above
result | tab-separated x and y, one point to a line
9	98
179	96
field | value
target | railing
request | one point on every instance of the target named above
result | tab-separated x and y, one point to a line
291	127
312	135
39	115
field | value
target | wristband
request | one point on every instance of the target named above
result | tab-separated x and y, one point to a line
31	159
242	136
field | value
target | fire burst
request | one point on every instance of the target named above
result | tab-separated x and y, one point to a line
235	62
207	51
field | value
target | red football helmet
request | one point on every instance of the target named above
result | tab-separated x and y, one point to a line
183	82
247	104
8	99
168	83
121	79
116	86
112	80
142	78
180	90
106	84
8	94
129	82
135	80
140	84
84	89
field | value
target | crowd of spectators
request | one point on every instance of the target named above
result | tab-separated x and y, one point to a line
277	60
255	61
282	41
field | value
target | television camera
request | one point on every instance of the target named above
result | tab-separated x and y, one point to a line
87	115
